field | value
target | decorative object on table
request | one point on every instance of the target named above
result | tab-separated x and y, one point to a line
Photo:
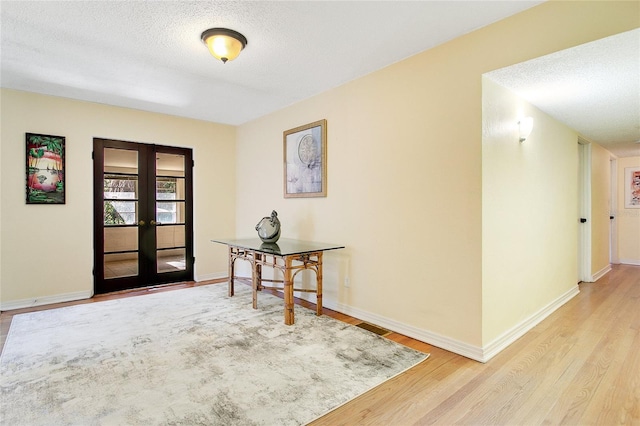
305	161
180	362
269	228
632	188
45	169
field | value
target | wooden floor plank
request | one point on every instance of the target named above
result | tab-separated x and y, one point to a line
615	386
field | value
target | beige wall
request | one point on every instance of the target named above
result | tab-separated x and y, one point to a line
628	219
529	220
47	249
403	193
600	211
404	170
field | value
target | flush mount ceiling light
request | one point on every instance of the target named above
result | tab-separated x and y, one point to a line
223	43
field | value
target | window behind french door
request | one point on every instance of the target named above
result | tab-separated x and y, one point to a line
143	199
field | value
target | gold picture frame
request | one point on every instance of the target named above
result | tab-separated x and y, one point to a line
305	160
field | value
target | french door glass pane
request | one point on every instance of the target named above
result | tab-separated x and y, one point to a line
120	212
169	188
170	212
120	161
169	164
171	260
171	236
119	239
120	265
120	186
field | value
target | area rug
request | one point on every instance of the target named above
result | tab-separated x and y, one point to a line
187	357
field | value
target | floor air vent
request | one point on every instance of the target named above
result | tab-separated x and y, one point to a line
373	328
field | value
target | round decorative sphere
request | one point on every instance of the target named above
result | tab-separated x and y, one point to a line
269	228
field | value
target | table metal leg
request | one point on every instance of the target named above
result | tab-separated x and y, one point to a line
260	258
319	285
231	271
288	293
256	277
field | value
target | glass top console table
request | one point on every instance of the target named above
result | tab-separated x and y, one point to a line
287	255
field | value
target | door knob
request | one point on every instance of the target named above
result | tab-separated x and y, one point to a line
141	223
152	223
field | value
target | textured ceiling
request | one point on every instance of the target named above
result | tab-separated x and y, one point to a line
593	88
148	54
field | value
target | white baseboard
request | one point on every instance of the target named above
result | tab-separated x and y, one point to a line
447	343
481	354
634	262
45	300
496	346
601	273
212	276
80	295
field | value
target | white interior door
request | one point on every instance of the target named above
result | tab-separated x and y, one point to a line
584	211
613	210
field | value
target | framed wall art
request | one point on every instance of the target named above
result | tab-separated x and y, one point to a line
632	188
305	161
45	169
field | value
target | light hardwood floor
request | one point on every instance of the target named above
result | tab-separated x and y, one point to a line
580	366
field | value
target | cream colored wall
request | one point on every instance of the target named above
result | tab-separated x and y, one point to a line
404	174
529	194
628	219
47	249
600	211
403	194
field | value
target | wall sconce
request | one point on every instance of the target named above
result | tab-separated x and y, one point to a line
223	43
525	126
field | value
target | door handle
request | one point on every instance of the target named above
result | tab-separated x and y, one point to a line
141	223
154	223
583	220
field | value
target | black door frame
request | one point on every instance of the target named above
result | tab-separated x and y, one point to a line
147	249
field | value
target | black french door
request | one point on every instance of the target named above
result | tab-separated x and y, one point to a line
143	215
